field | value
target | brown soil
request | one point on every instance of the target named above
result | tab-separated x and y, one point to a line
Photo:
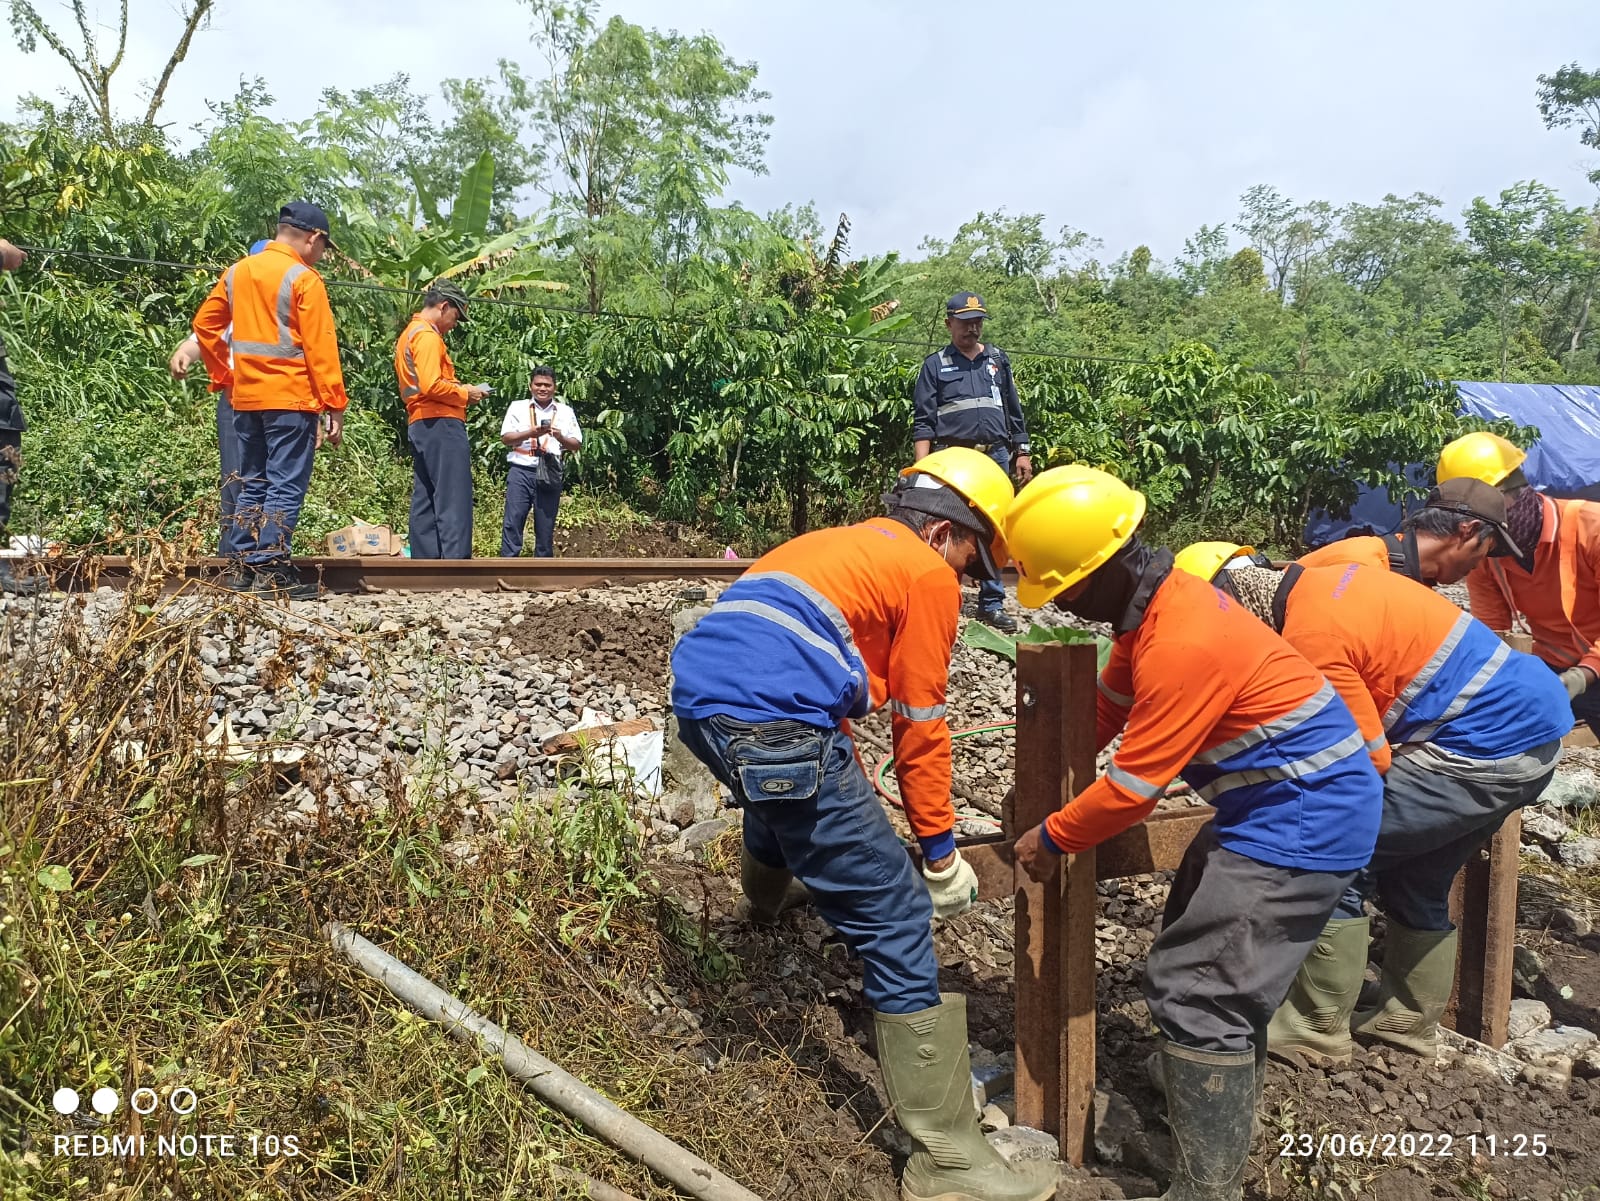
628	646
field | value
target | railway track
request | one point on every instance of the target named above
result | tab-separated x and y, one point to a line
379	573
386	573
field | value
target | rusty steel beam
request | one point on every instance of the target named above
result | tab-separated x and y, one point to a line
1483	904
1055	984
1155	845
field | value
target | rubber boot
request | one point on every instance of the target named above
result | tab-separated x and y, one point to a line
1211	1108
1419	969
1313	1023
928	1074
768	891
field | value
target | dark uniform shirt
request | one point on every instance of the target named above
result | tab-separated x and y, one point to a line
968	401
10	409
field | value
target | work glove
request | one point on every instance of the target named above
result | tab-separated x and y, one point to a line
953	888
1576	682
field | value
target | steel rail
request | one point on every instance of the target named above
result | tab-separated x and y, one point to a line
395	573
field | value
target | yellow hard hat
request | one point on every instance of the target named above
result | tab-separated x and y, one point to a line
1480	456
1065	523
1205	559
980	481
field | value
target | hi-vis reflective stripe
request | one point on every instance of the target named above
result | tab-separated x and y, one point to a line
1112	695
912	713
828	609
779	617
1376	742
285	347
1271	729
1342	749
975	402
413	388
1138	785
1464	698
1423	678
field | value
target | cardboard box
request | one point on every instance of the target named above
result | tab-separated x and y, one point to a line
362	539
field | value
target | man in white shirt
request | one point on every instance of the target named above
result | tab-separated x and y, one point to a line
538	432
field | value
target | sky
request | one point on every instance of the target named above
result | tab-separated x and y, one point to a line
1133	122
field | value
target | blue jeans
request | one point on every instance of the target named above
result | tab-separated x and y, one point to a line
524	491
1432	824
276	448
231	541
441	489
808	807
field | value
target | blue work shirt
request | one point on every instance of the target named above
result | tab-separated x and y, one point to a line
964	400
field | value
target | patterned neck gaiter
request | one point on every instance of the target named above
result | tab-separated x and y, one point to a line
1525	520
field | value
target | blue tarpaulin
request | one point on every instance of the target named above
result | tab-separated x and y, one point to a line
1565	461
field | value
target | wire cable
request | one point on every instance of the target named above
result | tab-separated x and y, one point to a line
507	302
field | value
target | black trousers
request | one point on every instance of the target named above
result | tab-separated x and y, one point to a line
10	465
441	489
525	491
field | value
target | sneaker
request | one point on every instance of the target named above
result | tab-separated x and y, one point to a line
282	583
997	619
237	578
15	585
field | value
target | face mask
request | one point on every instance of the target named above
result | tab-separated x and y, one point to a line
1121	587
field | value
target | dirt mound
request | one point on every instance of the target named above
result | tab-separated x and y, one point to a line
627	646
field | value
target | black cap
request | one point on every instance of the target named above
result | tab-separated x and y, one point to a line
302	214
447	291
1474	498
922	493
964	306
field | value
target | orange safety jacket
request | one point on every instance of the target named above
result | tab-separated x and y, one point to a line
1560	598
1202	688
1415	669
832	625
285	352
1395	552
427	376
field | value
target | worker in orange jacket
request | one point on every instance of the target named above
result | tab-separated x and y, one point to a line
830	626
281	370
1553	583
1195	685
436	426
1462	524
1465	730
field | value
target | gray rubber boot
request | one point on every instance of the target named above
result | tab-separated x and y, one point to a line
1419	970
1211	1099
928	1074
768	891
1313	1023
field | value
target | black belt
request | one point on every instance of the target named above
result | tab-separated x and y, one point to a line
984	447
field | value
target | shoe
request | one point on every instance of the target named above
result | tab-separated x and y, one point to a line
237	577
997	619
15	585
928	1074
1313	1023
282	582
768	891
1211	1100
1419	970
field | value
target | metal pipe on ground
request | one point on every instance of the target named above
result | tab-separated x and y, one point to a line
548	1080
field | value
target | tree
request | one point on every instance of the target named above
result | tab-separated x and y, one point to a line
642	129
1572	97
92	70
1526	250
1287	235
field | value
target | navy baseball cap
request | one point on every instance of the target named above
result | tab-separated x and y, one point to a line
302	214
964	306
